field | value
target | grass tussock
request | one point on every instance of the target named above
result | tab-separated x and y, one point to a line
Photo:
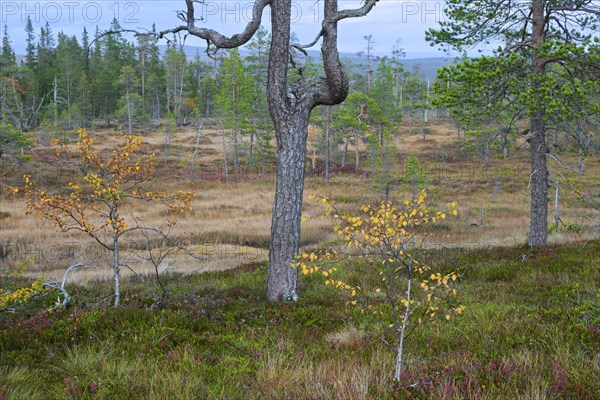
349	336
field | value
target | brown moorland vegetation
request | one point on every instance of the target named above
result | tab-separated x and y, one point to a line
230	220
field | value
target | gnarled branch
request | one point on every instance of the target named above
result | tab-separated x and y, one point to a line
334	88
336	16
213	37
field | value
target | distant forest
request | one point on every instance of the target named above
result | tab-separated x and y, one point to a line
64	82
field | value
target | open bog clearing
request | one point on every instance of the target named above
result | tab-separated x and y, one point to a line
229	224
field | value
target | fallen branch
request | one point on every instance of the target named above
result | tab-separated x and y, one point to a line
61	288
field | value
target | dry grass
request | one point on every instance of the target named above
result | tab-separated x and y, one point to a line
349	336
230	222
281	377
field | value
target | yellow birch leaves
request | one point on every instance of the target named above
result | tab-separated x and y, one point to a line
93	204
382	236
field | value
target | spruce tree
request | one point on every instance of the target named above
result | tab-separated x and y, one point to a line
30	49
7	56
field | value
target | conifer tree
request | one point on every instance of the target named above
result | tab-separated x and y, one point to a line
30	49
235	99
536	39
7	54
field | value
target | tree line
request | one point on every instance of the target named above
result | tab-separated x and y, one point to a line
99	81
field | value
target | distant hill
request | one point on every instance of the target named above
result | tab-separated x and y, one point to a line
427	66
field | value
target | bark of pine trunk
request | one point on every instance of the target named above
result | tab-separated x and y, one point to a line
538	226
143	71
225	170
581	161
291	133
486	155
198	128
505	143
236	158
287	209
327	156
556	198
290	110
129	129
356	154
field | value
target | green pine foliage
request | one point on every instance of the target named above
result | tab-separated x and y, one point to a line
13	141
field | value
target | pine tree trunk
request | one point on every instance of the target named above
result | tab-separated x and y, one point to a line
582	143
505	143
143	72
198	129
225	171
287	209
556	198
55	102
327	156
129	128
539	183
486	154
290	112
538	226
236	159
168	96
580	163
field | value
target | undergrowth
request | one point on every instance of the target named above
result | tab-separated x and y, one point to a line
531	330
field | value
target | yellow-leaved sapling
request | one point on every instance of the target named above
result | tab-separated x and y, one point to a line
382	239
93	204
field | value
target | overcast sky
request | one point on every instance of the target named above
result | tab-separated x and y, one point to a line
389	21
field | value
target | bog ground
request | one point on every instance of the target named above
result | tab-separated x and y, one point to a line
230	220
